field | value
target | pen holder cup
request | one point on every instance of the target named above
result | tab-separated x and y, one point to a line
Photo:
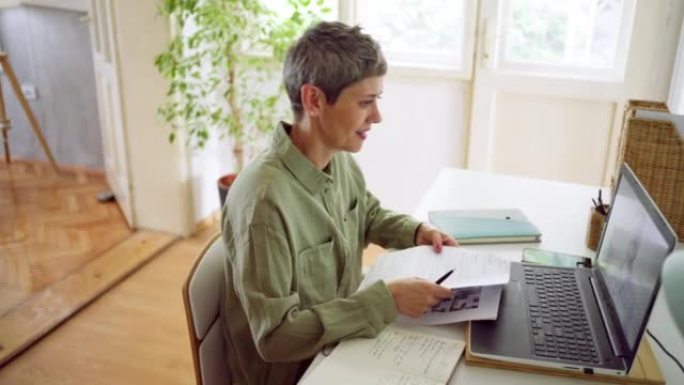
597	220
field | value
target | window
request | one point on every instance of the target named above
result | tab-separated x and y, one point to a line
421	33
284	9
582	37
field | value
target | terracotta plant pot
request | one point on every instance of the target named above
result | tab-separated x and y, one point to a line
224	184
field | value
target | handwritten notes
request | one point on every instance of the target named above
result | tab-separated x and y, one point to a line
395	357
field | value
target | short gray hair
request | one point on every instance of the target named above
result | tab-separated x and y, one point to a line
330	56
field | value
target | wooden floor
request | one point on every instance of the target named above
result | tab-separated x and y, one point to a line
50	225
59	249
134	334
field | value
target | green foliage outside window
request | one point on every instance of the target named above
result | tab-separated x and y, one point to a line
223	67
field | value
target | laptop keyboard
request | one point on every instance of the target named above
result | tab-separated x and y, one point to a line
557	318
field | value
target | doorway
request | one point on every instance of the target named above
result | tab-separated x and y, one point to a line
53	230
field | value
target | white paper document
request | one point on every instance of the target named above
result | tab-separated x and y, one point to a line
395	357
477	280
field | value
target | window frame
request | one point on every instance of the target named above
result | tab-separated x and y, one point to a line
348	11
614	74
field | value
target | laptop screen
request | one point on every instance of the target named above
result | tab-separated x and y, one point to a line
634	246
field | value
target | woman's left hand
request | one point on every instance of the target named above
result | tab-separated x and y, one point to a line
427	235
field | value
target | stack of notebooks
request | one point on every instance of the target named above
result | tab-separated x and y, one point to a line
486	226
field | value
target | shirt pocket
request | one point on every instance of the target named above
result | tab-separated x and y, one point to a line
318	274
351	218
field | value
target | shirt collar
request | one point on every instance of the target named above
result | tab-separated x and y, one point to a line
313	179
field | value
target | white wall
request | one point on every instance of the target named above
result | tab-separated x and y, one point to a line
207	165
557	136
652	53
423	130
161	185
676	99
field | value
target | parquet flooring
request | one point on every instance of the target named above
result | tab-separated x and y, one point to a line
59	249
134	334
50	225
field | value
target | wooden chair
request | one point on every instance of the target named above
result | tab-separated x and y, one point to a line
202	298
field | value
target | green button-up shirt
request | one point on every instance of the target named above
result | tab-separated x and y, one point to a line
294	237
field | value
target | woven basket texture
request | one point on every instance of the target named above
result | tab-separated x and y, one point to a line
655	151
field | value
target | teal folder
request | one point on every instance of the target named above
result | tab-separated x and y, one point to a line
486	226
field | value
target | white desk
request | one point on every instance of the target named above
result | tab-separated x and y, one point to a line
561	211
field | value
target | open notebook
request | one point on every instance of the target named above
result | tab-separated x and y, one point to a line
397	356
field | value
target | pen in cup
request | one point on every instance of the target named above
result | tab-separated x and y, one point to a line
599	206
445	276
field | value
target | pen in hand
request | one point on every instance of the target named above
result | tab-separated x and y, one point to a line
445	276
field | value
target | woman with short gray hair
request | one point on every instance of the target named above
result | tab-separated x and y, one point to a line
298	217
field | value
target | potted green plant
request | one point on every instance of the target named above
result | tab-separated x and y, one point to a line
223	68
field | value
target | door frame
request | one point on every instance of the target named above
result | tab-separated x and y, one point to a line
111	109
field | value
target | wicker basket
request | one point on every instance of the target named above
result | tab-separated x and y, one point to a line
596	222
646	105
630	110
655	151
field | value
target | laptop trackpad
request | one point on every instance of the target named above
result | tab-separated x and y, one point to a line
508	334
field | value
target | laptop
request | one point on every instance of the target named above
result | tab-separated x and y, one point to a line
585	319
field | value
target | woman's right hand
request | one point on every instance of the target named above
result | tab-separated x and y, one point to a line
415	296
